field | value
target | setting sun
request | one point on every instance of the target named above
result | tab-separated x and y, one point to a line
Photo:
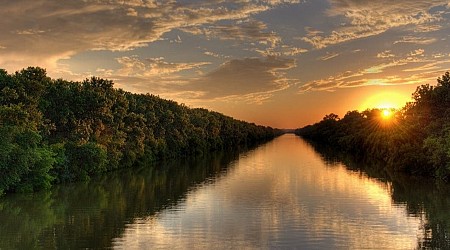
386	113
385	101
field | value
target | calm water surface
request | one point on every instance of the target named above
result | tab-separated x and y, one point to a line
280	195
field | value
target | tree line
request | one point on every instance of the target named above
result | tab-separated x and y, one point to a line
415	139
54	131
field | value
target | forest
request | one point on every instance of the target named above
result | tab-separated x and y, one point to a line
414	139
55	131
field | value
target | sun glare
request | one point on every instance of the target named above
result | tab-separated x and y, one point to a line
386	114
385	101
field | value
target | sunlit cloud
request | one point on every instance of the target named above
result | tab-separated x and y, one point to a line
329	56
427	28
216	55
417	52
311	32
41	32
29	32
369	18
133	66
278	2
424	68
176	40
284	50
416	40
385	54
249	30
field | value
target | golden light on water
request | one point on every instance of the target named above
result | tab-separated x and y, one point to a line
270	196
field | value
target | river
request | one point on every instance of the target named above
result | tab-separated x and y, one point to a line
282	194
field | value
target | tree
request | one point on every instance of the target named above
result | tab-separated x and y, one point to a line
25	162
331	117
57	130
416	141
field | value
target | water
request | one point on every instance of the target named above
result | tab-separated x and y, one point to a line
280	195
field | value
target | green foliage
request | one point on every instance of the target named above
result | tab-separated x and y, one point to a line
416	140
438	151
58	131
24	160
86	160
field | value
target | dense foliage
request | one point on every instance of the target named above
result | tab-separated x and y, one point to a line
415	139
57	131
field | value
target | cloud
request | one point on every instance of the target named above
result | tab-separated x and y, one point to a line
29	32
311	32
417	52
176	40
417	62
216	55
292	51
278	2
421	28
416	40
150	67
329	56
385	54
284	50
243	77
369	18
433	66
41	32
249	30
251	80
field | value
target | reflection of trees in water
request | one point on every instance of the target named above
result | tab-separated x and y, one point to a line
91	214
423	197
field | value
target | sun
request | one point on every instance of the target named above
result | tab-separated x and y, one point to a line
385	101
386	114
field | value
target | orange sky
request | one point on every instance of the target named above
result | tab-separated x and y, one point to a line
283	63
285	112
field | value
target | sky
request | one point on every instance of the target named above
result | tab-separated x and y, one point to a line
281	63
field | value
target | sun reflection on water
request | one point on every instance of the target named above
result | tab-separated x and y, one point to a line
281	195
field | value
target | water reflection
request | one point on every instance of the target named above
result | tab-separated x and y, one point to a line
281	195
90	215
423	198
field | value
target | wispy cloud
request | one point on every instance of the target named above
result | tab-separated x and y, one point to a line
415	61
369	18
385	54
417	52
248	30
416	40
216	55
133	66
329	56
284	50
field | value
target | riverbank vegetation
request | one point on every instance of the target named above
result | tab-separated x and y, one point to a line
54	131
414	139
